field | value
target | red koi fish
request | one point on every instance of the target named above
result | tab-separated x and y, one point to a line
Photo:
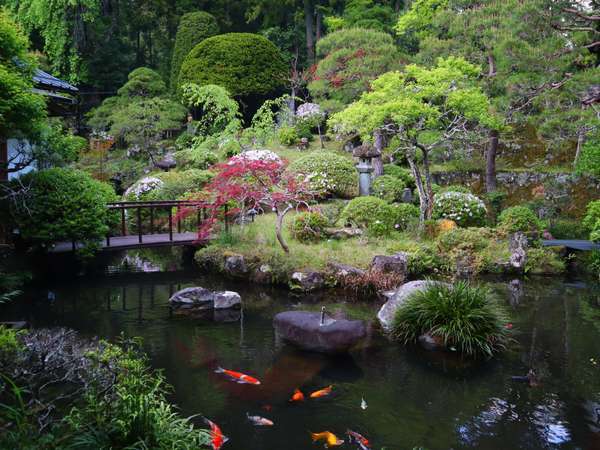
322	392
217	439
238	376
360	440
298	396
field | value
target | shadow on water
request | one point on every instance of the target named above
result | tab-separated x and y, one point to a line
415	398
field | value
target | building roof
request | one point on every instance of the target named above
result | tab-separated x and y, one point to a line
44	79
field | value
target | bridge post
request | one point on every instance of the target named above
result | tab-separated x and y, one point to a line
170	223
123	230
139	223
178	219
151	220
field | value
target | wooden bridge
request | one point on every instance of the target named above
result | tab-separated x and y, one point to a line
573	244
154	224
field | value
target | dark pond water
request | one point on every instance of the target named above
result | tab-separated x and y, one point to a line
415	399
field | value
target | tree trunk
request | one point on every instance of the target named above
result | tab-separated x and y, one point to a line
310	35
580	142
279	226
428	189
319	25
491	65
378	162
490	162
423	206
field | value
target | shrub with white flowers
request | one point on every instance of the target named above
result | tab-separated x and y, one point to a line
405	213
466	210
388	188
257	155
327	174
310	111
141	187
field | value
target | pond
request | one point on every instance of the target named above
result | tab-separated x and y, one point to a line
414	398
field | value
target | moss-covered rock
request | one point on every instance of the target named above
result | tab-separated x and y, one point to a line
243	63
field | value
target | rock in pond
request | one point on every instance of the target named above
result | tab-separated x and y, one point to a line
388	310
235	266
307	280
303	329
200	298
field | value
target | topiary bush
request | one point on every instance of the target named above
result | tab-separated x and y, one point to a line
287	136
193	28
461	316
243	63
143	82
405	214
328	173
466	210
63	205
400	172
370	213
308	227
519	218
388	188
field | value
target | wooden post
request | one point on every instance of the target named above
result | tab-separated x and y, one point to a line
178	219
108	240
151	220
123	230
170	223
73	245
139	223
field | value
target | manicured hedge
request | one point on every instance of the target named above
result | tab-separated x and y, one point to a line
193	28
243	63
328	173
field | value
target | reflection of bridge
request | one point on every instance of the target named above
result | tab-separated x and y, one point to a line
151	224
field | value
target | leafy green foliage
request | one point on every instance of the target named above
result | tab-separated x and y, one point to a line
308	227
349	60
401	173
287	136
589	160
328	173
370	213
544	261
22	112
466	210
63	205
243	63
414	25
455	188
219	113
143	82
567	229
463	316
388	188
405	214
365	14
193	28
519	218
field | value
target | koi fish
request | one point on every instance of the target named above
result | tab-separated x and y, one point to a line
238	376
363	404
259	421
358	439
322	392
298	396
217	439
330	439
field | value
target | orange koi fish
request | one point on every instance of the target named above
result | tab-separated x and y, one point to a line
322	392
217	439
330	439
360	440
238	376
298	396
259	421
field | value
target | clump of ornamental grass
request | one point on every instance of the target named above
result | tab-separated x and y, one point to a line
463	316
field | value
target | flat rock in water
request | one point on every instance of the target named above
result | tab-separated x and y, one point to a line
193	296
303	329
227	300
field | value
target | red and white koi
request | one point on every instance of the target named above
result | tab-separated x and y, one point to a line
217	438
362	442
238	377
259	421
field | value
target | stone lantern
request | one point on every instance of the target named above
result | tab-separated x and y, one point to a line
365	153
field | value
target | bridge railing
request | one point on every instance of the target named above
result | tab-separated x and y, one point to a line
153	207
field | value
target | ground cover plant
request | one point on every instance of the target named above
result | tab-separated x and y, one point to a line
463	316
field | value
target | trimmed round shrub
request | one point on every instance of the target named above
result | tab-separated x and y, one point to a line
519	218
63	205
143	82
332	210
388	188
592	215
193	28
461	316
400	172
178	183
308	227
472	239
243	63
370	213
328	173
466	210
287	136
405	213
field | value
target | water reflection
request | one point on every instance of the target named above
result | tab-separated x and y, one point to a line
437	401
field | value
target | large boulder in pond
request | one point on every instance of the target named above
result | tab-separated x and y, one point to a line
202	298
388	311
304	330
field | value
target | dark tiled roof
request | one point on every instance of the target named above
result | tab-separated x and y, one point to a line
41	78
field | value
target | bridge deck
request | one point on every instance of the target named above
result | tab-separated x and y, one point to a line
132	242
575	244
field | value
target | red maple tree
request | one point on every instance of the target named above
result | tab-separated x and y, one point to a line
244	184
